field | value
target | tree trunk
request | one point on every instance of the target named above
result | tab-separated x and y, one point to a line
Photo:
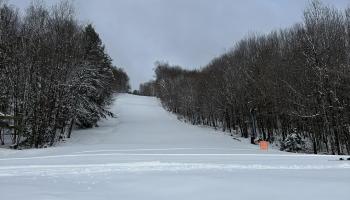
71	127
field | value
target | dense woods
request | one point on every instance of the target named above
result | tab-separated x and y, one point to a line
54	75
147	89
288	85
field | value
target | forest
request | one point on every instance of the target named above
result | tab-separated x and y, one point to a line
55	75
290	87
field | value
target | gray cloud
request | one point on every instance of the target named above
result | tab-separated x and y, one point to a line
185	32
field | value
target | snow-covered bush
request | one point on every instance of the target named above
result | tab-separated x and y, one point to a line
293	143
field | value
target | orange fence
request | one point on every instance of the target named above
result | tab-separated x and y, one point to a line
264	145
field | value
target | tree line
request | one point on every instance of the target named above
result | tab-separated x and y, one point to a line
272	86
54	74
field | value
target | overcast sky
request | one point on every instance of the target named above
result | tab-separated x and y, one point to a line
188	33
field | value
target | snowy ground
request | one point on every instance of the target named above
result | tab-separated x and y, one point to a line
146	153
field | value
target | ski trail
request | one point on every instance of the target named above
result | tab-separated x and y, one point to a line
147	153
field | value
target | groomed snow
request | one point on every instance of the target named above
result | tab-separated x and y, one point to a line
146	153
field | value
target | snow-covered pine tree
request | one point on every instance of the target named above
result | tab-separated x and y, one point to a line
293	142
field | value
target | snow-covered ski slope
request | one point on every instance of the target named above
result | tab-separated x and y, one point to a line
146	153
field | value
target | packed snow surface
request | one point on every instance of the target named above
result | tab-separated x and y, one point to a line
146	153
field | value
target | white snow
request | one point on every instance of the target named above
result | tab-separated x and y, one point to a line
146	153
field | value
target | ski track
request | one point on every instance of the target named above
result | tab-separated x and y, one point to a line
168	154
54	170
